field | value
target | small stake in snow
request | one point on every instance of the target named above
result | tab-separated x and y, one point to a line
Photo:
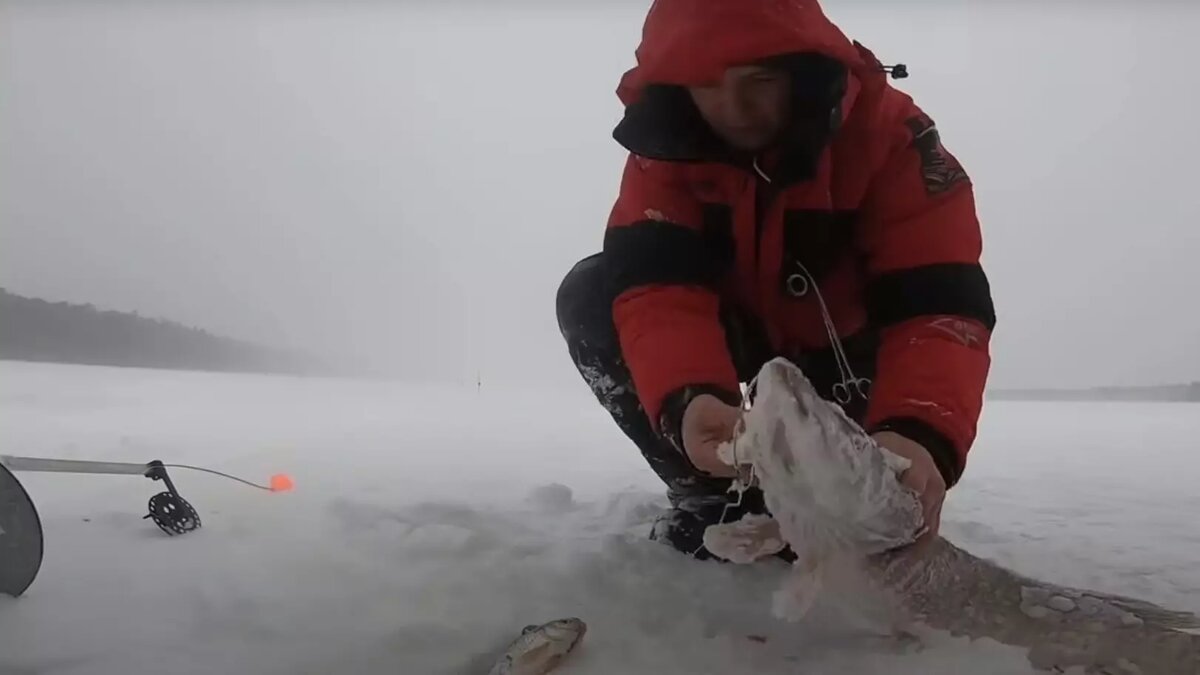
21	529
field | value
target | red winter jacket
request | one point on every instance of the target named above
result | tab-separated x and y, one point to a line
879	223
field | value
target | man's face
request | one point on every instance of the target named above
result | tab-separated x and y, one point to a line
748	108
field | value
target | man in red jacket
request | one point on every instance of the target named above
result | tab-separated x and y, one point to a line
780	198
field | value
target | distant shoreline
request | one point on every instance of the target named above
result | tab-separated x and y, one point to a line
33	330
1178	393
40	331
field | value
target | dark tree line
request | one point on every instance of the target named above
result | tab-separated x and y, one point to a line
1170	392
60	332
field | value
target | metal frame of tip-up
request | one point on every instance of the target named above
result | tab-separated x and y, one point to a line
21	529
170	511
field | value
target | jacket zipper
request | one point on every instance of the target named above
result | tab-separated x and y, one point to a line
765	194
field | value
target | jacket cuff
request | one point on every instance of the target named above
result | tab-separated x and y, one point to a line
939	446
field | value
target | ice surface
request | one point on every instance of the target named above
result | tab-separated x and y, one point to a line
429	524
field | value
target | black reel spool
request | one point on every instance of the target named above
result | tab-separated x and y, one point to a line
171	512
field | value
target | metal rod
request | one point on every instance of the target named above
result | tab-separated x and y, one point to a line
72	466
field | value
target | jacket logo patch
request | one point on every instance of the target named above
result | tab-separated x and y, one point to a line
967	334
940	170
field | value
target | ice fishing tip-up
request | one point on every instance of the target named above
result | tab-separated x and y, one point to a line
21	528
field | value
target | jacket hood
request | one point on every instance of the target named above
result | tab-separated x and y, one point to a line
692	42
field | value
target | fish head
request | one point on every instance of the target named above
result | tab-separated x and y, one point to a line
568	630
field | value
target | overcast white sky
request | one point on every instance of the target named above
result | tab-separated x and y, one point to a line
410	183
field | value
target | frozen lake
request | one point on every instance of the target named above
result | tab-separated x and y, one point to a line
421	535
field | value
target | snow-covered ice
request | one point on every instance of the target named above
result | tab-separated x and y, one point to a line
431	522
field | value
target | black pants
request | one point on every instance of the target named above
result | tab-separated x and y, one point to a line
584	306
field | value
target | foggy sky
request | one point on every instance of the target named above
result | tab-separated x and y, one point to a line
409	183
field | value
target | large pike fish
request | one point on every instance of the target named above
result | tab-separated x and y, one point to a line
835	497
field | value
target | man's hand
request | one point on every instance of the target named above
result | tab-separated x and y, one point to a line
707	423
923	477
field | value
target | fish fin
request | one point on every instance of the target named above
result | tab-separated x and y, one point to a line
1156	615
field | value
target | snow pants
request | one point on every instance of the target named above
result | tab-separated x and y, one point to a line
584	308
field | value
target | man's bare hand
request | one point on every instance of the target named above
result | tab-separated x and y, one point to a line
923	477
707	423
